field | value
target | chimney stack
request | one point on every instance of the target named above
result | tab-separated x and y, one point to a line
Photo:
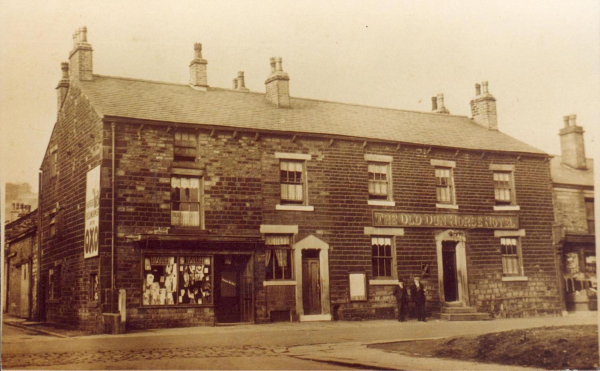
278	85
241	84
440	108
483	107
571	143
63	84
433	104
198	77
80	59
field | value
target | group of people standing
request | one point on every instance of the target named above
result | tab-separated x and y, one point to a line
417	294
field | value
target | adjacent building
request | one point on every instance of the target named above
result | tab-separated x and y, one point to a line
573	187
20	280
187	204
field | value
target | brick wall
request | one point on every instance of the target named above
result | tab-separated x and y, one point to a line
77	138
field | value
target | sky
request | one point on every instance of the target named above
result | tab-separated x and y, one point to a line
541	58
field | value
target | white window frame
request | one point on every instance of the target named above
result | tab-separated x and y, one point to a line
200	201
510	169
516	235
445	165
297	157
381	160
394	271
271	255
177	145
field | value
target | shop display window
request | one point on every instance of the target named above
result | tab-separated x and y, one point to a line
177	280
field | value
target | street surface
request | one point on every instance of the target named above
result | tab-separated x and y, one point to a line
269	346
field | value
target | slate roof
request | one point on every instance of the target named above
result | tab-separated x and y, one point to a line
180	103
564	174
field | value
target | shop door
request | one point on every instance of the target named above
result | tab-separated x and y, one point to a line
228	307
25	290
449	270
311	288
247	289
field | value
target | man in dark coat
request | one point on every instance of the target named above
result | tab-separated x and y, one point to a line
401	295
418	291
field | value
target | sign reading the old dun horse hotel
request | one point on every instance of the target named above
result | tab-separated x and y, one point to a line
423	220
92	213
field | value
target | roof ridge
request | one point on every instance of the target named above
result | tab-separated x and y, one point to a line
296	98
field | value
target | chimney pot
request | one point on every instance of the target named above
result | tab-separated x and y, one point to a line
566	121
278	85
64	66
477	89
573	120
279	64
198	50
485	87
80	60
235	84
241	81
84	34
434	104
273	63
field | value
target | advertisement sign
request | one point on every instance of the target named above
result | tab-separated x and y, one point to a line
399	219
92	213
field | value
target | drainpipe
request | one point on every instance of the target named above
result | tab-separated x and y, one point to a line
112	243
39	250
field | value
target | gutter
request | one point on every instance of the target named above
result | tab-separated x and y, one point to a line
112	243
39	249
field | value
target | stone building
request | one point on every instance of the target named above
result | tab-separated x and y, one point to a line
573	187
187	204
20	271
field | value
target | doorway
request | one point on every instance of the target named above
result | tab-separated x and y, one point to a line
449	268
311	286
234	288
25	290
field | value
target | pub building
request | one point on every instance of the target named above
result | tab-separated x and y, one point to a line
167	204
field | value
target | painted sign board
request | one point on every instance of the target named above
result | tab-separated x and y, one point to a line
92	213
424	220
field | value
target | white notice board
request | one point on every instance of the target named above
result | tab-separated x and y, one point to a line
358	286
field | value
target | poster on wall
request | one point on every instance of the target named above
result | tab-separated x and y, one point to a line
358	286
92	213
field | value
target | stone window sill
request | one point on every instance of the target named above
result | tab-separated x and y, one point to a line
295	207
514	278
446	206
507	208
279	283
52	301
381	203
383	282
93	304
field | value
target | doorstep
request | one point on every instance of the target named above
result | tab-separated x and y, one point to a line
315	317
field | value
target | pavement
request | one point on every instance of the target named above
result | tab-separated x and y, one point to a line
334	345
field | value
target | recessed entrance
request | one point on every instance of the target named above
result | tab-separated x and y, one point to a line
233	288
449	268
311	287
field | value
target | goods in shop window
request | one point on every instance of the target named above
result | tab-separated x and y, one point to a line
149	279
147	265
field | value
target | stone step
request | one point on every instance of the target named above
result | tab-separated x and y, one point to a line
465	316
453	304
458	310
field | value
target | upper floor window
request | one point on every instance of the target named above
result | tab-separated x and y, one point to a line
503	188
589	211
511	256
185	146
279	259
185	201
444	183
379	181
382	257
292	181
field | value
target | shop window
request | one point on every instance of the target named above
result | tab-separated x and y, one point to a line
185	202
279	259
504	188
185	146
383	257
292	182
379	181
511	256
177	280
444	185
94	287
54	283
589	211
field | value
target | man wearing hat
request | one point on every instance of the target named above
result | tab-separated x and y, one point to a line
418	291
401	295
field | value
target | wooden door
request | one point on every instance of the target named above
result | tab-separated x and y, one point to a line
311	287
228	307
449	267
25	290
